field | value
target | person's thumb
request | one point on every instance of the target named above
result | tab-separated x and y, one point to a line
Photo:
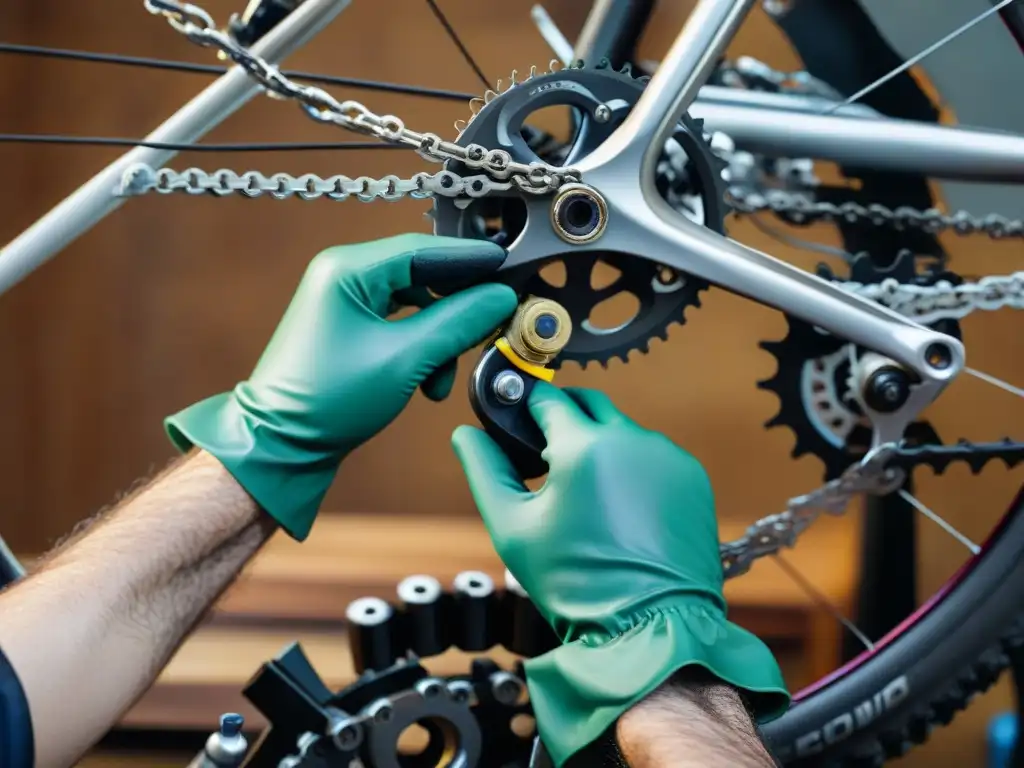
453	325
496	486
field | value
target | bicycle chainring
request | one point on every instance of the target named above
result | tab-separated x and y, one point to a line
689	176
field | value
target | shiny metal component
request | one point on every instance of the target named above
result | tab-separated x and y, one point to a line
344	730
539	330
226	747
508	387
82	209
602	113
578	213
141	179
505	687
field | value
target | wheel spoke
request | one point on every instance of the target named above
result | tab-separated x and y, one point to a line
818	597
110	141
939	521
995	382
216	69
458	43
914	60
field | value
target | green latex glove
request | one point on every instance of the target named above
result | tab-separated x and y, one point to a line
619	551
336	372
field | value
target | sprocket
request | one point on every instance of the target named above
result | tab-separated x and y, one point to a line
689	176
812	379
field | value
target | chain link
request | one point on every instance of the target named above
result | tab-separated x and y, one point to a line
197	25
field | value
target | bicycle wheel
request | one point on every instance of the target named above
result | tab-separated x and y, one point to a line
886	699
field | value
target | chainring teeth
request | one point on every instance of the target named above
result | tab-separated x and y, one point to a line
704	178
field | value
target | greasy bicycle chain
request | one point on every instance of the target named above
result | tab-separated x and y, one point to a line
198	26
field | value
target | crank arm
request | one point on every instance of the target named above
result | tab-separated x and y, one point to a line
503	378
648	228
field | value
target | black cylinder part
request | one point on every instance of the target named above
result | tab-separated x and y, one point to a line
524	630
423	625
371	633
474	604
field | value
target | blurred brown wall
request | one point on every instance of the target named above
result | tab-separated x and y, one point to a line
172	298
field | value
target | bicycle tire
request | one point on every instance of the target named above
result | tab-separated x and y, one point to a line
934	666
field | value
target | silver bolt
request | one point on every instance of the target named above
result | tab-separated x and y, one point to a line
602	113
505	688
460	691
777	8
508	387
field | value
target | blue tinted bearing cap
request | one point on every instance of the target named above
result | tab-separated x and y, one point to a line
546	326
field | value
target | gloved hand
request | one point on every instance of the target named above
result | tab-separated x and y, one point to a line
619	551
336	372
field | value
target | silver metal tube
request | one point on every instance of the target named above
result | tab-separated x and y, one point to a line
674	86
880	144
788	102
87	205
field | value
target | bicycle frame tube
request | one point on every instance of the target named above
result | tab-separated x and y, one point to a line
880	143
91	202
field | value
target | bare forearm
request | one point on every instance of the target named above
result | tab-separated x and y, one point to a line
92	628
691	722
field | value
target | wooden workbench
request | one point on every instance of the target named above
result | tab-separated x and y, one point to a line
300	592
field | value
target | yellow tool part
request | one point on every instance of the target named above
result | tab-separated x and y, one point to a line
537	371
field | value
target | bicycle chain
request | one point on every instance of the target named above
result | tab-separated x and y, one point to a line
140	178
801	209
198	26
771	534
879	472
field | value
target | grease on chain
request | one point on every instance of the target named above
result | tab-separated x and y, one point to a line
197	25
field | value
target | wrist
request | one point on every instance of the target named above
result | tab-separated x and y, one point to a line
287	478
581	688
693	719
